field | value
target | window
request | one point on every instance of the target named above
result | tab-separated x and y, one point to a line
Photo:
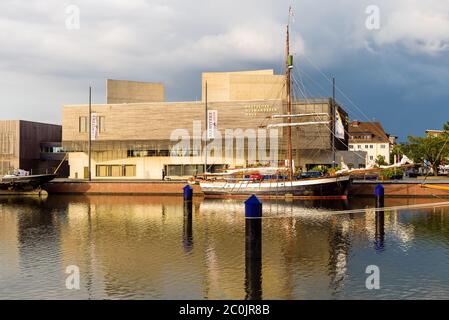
366	146
359	146
371	146
130	171
371	157
116	170
186	169
382	146
102	171
351	146
101	127
83	124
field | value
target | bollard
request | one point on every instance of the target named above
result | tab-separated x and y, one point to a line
187	236
379	193
187	192
253	248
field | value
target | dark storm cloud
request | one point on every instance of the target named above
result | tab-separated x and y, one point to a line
396	74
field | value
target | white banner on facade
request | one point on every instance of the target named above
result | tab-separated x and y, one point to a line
212	123
339	127
94	126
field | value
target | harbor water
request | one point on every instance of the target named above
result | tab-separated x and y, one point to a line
143	247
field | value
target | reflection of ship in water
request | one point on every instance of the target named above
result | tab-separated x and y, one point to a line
273	207
135	247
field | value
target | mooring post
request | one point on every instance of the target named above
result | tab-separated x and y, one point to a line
253	248
187	192
379	193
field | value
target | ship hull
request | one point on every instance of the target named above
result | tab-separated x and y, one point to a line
319	188
25	182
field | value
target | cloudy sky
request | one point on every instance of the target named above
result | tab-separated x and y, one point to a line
397	73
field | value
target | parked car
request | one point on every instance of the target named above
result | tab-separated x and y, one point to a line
311	174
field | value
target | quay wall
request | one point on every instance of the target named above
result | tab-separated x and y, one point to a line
406	188
399	188
118	187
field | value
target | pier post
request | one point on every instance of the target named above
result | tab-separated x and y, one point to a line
379	193
187	192
380	217
253	248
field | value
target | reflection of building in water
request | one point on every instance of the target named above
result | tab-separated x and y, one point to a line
404	233
132	247
339	242
302	248
9	245
40	256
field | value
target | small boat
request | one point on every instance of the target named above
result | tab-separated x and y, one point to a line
21	180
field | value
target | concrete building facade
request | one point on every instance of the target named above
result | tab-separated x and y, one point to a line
31	146
140	140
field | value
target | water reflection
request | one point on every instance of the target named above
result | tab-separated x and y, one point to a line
153	247
380	230
253	259
187	238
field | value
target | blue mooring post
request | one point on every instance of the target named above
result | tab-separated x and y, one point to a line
379	193
187	192
253	248
253	207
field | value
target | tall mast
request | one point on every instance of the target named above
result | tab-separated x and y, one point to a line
89	169
334	117
288	67
207	127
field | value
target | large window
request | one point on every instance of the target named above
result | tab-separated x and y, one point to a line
148	153
83	124
116	170
184	169
101	125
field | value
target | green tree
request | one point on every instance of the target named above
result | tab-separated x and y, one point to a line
430	148
380	161
396	150
446	126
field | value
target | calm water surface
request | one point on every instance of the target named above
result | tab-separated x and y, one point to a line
150	248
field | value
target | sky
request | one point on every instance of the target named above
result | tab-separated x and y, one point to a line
390	58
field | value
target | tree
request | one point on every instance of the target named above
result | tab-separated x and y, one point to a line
432	149
380	161
446	126
396	150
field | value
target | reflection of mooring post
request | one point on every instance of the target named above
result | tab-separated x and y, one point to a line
380	233
187	237
380	217
253	248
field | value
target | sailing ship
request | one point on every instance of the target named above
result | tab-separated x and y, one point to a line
280	182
